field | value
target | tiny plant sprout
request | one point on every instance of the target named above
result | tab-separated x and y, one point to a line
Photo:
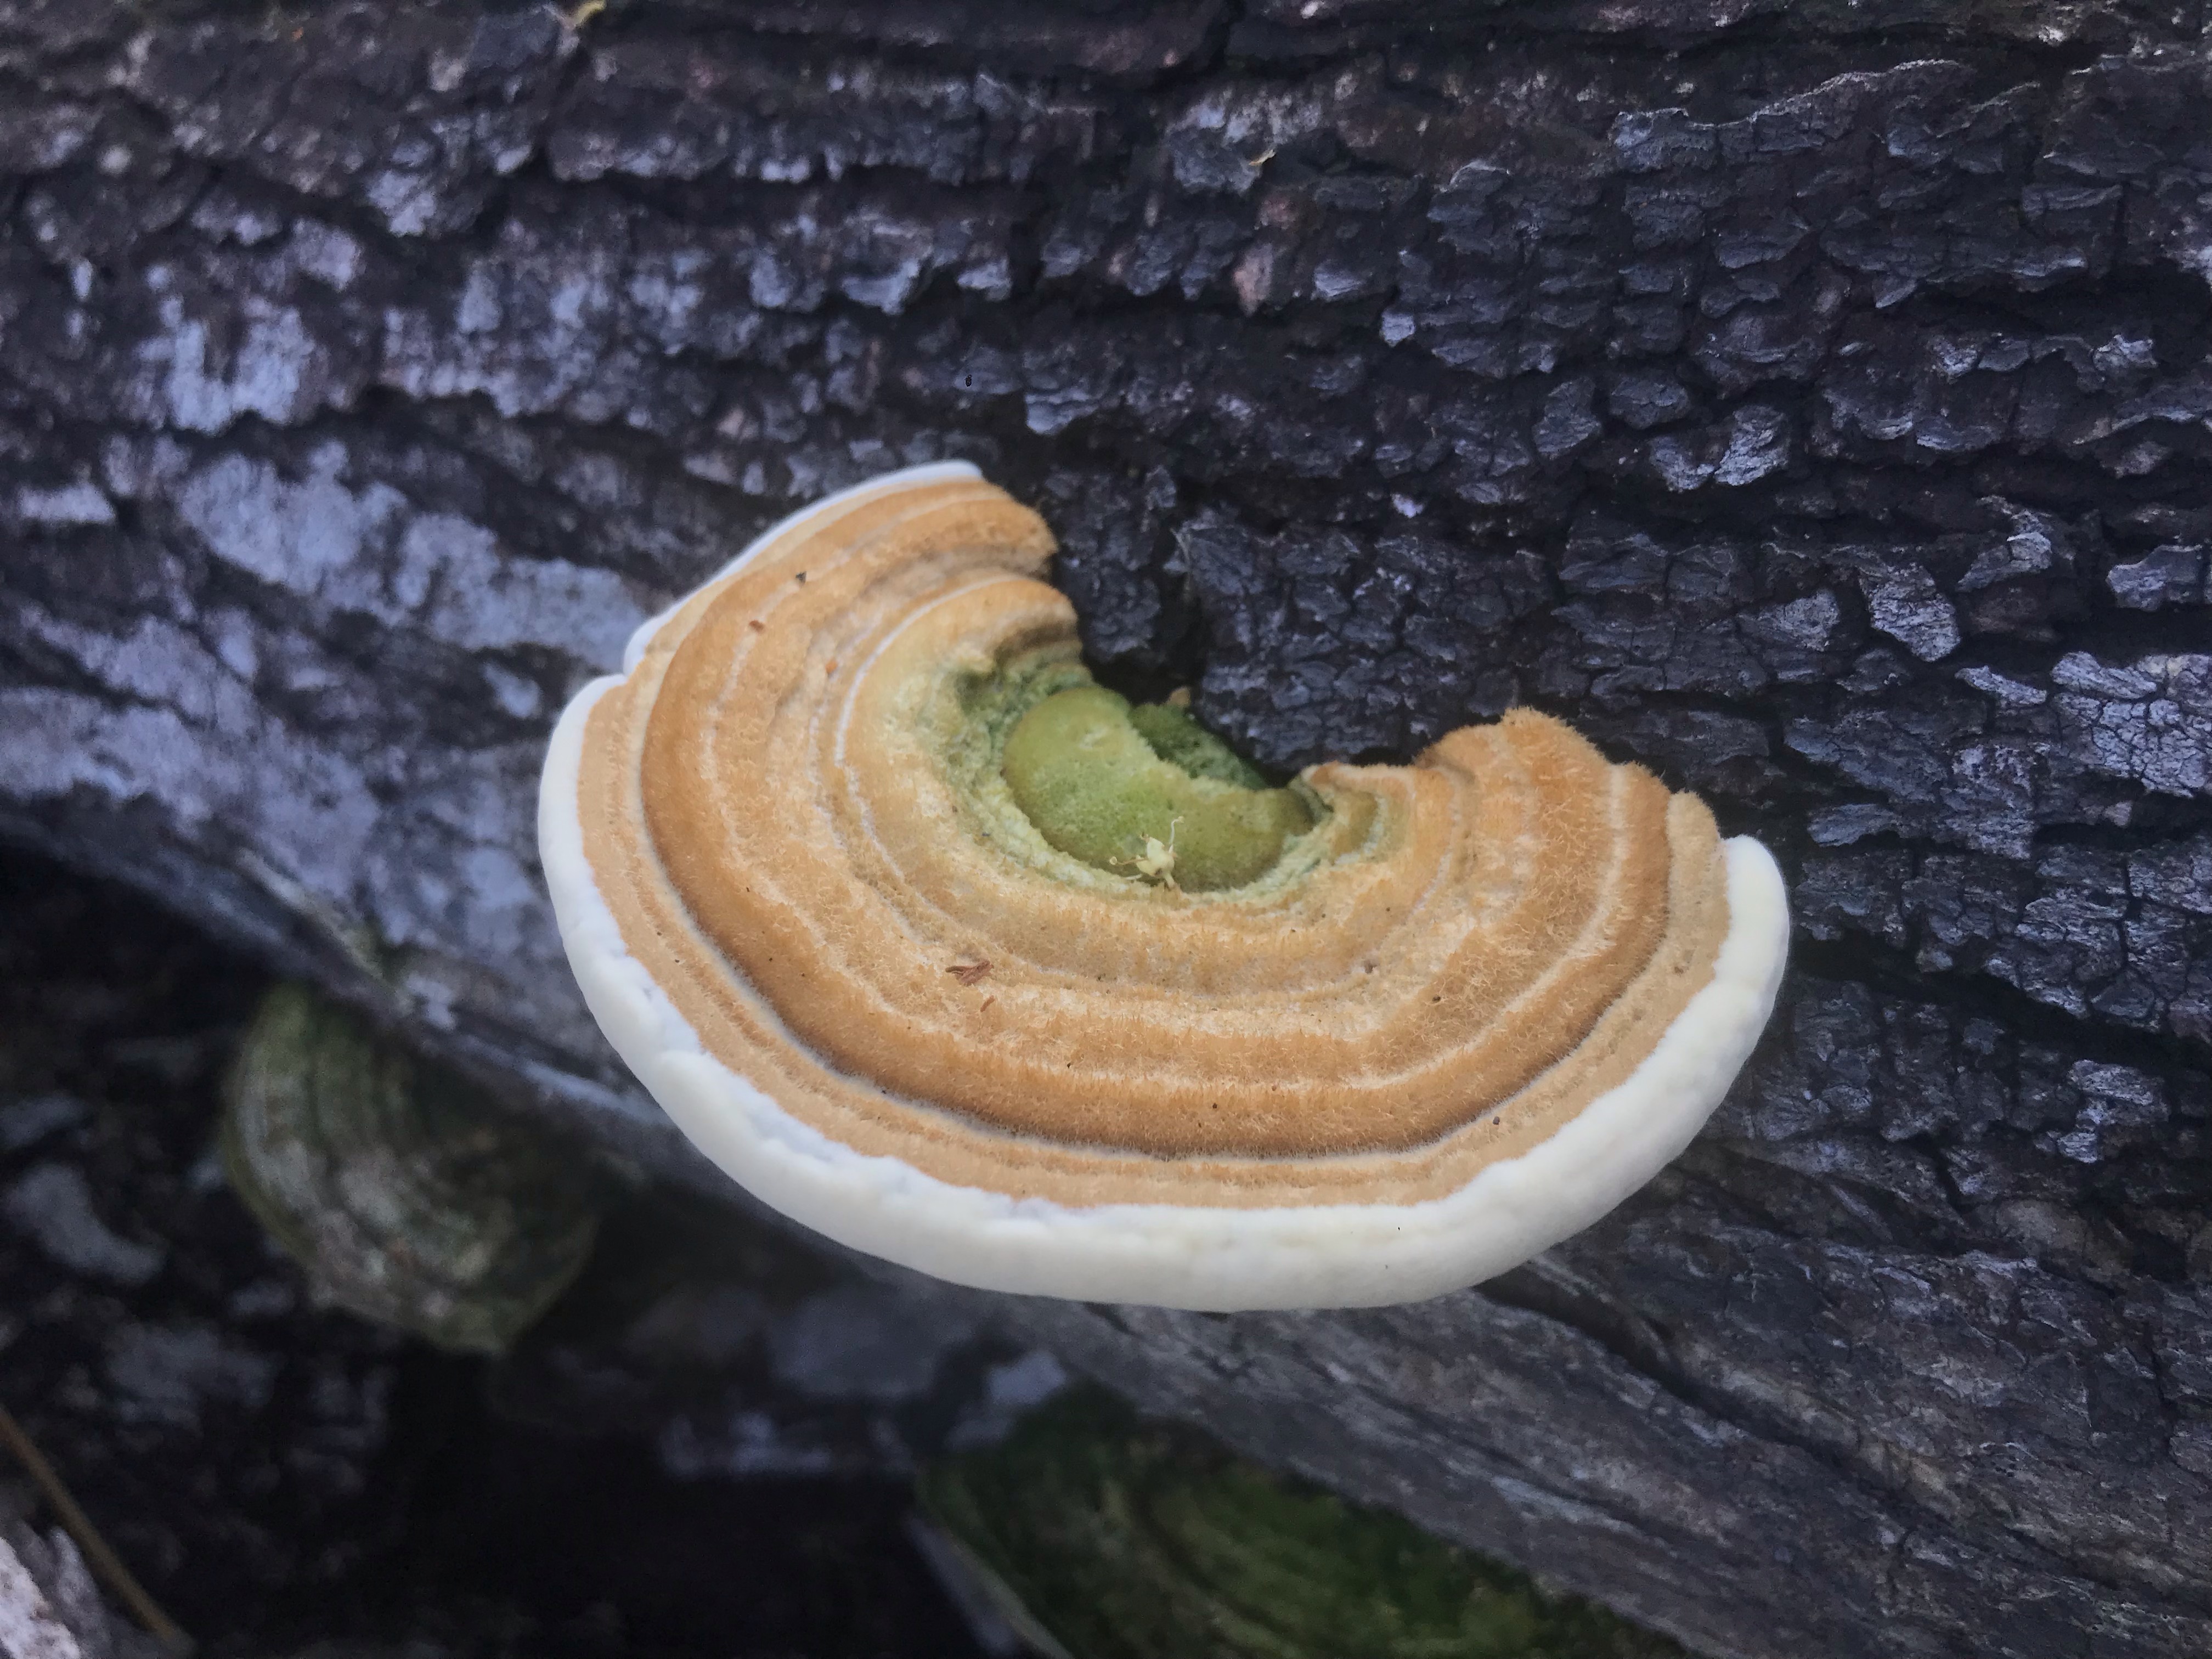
1157	862
1360	1037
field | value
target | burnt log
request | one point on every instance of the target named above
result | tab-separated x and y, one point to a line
1811	400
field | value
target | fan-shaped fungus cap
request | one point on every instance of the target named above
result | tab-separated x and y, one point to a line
969	966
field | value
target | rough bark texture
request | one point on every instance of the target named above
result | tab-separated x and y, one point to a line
1810	398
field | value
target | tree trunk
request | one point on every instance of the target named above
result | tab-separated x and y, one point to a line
1811	400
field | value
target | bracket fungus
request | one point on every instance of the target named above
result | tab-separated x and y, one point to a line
408	1198
942	950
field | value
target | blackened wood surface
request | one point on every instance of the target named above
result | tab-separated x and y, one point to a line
1811	400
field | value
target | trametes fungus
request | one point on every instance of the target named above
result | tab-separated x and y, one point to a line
949	953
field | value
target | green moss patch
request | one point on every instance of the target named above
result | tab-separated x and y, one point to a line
1126	1540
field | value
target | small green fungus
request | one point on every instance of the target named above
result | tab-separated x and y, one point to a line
410	1198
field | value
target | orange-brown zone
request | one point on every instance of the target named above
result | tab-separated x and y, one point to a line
1503	931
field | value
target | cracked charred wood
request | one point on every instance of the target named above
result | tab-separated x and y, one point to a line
1810	400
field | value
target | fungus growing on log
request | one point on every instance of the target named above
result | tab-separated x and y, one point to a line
944	951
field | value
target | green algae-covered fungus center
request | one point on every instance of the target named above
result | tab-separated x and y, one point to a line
1146	790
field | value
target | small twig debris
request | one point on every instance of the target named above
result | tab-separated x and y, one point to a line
104	1561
